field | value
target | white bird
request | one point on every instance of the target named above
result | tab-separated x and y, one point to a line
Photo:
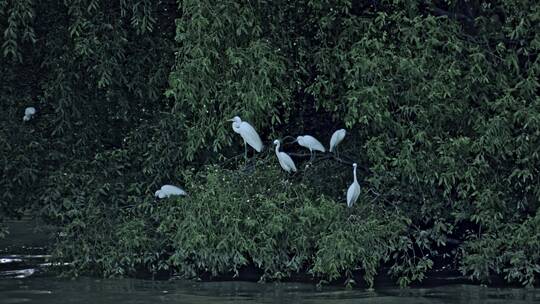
169	190
354	190
248	133
28	113
284	159
311	143
337	137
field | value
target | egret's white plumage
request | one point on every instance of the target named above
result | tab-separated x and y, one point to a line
169	190
354	190
311	143
284	159
248	133
337	137
28	113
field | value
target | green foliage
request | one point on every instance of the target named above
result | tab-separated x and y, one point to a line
224	66
359	241
440	100
511	250
229	221
102	215
94	71
22	158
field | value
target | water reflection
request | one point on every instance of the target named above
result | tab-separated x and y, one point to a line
85	290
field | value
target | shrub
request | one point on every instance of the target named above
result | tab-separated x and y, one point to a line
440	101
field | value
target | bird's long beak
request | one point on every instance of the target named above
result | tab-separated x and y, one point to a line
230	119
296	140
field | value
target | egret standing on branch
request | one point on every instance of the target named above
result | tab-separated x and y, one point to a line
285	160
354	190
248	133
311	143
28	113
169	190
337	137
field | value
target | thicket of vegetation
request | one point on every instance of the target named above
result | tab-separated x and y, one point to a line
440	100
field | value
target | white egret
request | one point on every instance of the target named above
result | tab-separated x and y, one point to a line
248	133
311	143
354	190
284	159
28	113
337	137
169	190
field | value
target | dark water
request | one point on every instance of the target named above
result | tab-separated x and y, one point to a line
86	290
24	279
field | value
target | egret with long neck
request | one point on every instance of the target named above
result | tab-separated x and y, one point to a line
248	133
285	161
354	190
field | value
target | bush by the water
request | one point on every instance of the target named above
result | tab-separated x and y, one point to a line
440	100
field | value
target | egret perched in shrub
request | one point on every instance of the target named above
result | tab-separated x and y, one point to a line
28	113
169	190
337	137
354	190
284	159
311	143
248	133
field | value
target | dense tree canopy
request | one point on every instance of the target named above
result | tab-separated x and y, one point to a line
440	99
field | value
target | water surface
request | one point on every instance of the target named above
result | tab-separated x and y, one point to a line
47	290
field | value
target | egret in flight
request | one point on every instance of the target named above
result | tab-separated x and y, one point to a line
28	113
285	160
169	190
311	143
337	137
354	190
248	133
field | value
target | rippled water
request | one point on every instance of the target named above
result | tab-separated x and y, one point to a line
86	290
23	279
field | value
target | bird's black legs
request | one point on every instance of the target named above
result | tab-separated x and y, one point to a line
248	168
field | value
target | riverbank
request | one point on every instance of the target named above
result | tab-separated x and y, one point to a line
25	253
